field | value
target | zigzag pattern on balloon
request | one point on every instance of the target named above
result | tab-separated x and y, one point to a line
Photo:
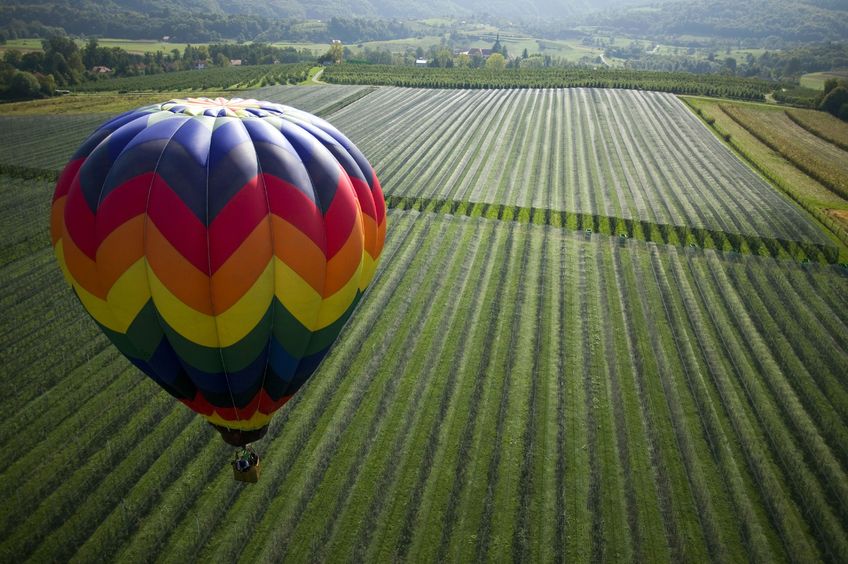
221	245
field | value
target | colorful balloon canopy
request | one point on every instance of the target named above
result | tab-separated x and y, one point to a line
221	245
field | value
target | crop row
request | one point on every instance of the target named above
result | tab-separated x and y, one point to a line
523	390
466	78
821	124
618	154
627	229
823	161
204	79
319	100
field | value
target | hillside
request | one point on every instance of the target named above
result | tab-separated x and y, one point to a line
815	20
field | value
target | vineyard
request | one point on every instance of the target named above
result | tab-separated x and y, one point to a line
594	335
759	134
676	82
35	142
623	155
819	159
205	79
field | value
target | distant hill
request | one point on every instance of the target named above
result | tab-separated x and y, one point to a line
790	20
346	8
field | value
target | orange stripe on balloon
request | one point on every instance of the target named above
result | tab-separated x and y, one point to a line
343	266
299	252
189	284
81	267
381	238
369	227
237	275
119	251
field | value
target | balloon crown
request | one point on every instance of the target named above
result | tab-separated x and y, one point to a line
224	107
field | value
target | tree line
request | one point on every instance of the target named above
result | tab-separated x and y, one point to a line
63	64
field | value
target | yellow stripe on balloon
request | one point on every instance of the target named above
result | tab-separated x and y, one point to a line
256	421
124	301
369	267
224	329
335	305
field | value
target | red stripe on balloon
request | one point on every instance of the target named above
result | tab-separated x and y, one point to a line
379	199
292	205
340	218
122	204
236	221
178	224
199	404
79	221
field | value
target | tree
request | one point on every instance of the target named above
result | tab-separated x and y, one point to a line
12	57
336	52
221	60
730	64
24	85
834	100
496	61
524	53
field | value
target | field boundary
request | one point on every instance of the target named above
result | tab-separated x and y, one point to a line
662	233
818	214
800	123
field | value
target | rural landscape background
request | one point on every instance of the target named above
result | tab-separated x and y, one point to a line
610	322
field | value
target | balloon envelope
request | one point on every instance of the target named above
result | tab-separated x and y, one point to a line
221	245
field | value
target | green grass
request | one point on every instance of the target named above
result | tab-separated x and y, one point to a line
654	460
816	80
827	206
511	385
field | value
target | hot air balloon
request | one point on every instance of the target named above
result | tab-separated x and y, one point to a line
221	245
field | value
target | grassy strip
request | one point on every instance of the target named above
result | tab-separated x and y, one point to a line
805	191
457	519
625	228
784	514
42	468
644	522
502	530
821	124
346	101
686	500
443	442
413	474
43	518
609	489
356	516
339	458
768	397
770	135
530	472
707	495
155	524
751	519
338	398
143	495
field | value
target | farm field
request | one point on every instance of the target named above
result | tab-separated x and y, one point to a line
524	391
605	153
594	334
816	80
821	124
821	201
818	158
38	141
